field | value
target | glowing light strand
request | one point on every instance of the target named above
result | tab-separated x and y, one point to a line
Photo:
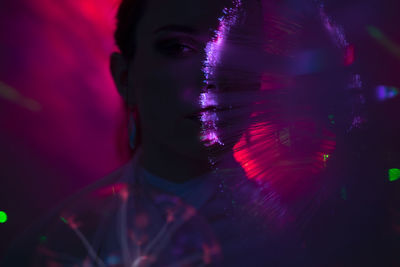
213	55
151	251
91	252
334	30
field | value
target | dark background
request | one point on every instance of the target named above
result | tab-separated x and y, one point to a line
61	120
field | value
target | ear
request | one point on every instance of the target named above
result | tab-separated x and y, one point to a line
120	71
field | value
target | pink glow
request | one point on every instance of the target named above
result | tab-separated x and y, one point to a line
57	56
349	56
117	188
273	163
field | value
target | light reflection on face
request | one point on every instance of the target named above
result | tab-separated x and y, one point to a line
166	74
208	98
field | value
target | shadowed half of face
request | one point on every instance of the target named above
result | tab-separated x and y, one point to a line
164	78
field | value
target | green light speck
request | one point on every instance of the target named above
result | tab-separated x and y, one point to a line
394	174
64	220
3	217
375	32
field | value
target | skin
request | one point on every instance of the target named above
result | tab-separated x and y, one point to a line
164	80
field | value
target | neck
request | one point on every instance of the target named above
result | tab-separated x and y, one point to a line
171	165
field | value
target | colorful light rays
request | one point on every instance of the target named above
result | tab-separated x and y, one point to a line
3	217
137	245
394	175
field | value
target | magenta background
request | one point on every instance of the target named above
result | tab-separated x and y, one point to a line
55	53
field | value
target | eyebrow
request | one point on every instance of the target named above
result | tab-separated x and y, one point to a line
176	28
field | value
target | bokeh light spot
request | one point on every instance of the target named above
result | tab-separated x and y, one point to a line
343	193
384	40
394	174
64	220
332	119
375	32
384	92
349	55
43	239
3	217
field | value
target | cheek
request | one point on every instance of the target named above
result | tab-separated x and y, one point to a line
157	91
166	90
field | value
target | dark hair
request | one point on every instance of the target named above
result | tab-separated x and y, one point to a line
129	14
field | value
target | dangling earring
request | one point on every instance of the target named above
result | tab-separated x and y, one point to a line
132	131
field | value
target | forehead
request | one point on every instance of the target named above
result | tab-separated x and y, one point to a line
201	15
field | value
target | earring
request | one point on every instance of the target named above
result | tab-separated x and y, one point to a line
132	131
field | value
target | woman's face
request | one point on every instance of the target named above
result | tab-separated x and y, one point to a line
165	75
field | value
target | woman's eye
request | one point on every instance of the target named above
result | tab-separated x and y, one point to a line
175	49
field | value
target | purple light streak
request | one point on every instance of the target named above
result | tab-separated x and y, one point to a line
213	56
334	30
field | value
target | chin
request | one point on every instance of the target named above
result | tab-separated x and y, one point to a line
196	151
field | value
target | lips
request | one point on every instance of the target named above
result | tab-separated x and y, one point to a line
193	117
209	114
197	114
